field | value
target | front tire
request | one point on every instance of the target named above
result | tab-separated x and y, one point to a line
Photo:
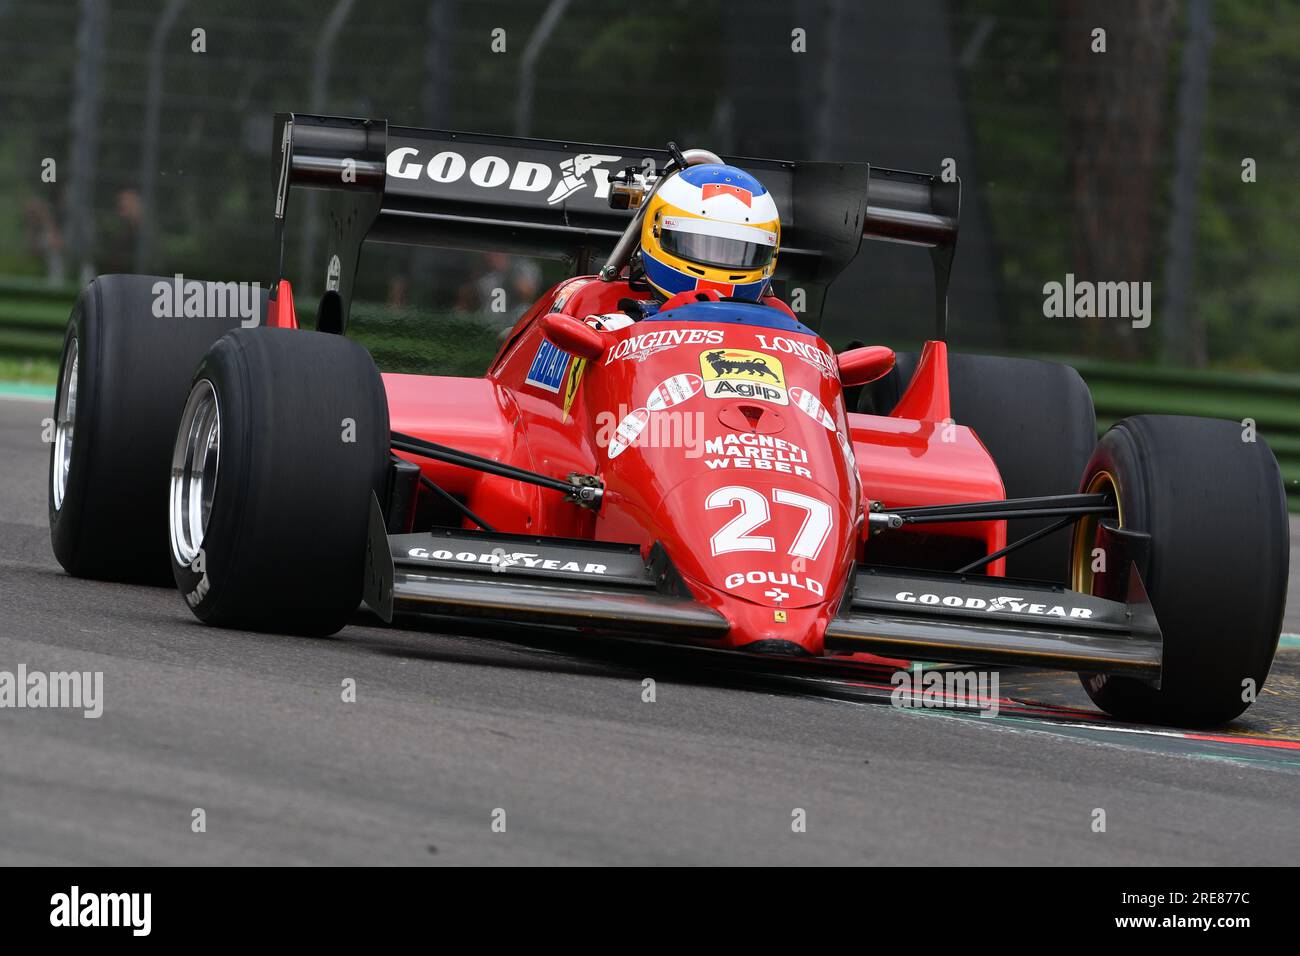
283	441
1215	508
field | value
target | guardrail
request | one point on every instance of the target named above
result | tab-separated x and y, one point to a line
33	315
1271	402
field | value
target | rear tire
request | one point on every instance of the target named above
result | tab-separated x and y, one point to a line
274	537
123	378
1215	508
1037	421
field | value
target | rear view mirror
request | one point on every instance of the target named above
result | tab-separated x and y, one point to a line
575	337
860	366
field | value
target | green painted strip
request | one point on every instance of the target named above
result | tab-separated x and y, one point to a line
1237	758
1289	640
26	390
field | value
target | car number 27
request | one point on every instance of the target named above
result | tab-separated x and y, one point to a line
737	534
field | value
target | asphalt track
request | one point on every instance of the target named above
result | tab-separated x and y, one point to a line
449	727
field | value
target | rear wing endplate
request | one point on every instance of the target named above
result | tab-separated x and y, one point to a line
549	198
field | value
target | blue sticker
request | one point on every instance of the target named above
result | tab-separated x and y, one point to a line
549	364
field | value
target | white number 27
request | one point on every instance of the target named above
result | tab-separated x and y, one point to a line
736	534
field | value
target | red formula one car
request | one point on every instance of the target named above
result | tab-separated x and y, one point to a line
712	473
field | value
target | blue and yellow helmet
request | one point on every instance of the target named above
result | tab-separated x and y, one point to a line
710	227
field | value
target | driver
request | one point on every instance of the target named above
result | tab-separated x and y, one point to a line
708	228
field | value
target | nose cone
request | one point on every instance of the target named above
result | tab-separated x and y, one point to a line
732	451
770	553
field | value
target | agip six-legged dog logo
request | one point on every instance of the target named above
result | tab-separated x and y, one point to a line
733	366
740	373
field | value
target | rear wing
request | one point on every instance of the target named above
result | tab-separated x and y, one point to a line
549	198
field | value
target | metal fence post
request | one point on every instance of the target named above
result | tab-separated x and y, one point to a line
149	148
1184	336
528	64
79	224
319	88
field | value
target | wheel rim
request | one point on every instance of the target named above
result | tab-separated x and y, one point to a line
65	416
194	472
1085	532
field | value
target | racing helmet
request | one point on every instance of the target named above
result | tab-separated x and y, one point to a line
710	226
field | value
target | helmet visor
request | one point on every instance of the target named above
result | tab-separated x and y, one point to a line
723	245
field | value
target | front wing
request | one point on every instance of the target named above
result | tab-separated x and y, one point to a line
914	615
528	579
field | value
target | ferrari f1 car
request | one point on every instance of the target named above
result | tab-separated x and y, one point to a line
711	473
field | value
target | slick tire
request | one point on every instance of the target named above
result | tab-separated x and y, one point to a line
1215	508
1037	421
123	377
282	442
